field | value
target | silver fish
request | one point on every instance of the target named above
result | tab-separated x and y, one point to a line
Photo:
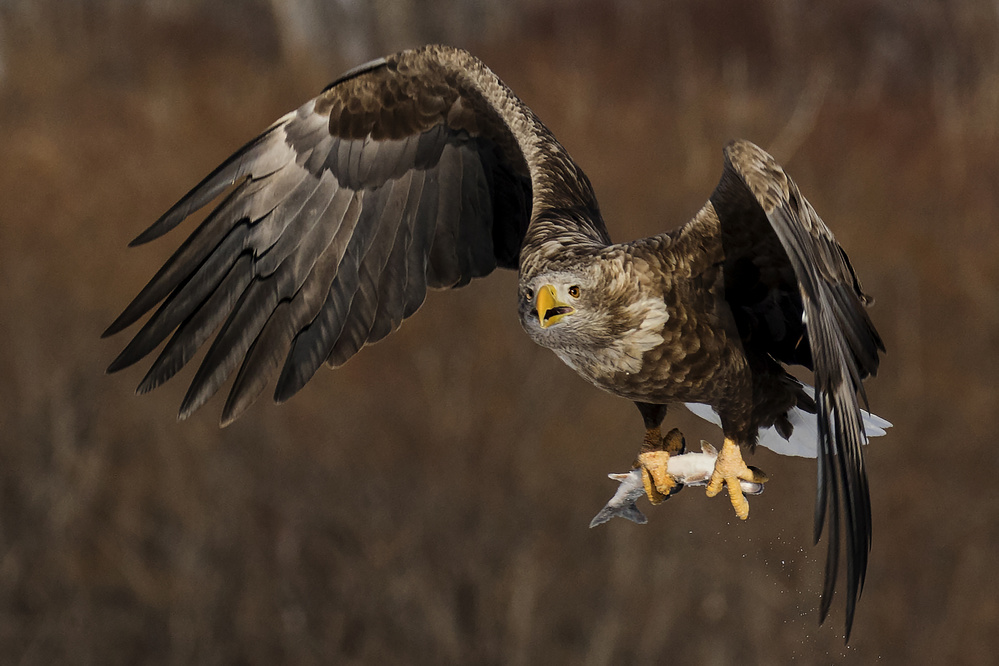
690	469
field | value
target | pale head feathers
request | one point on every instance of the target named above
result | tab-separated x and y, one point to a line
617	318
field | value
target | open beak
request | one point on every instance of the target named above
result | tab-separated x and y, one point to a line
550	309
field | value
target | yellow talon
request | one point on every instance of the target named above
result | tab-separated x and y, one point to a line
658	482
729	470
654	458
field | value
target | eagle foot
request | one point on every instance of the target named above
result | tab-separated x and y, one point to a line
729	470
653	460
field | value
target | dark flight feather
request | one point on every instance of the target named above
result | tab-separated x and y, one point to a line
842	340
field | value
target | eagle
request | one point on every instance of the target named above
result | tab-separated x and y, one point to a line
423	170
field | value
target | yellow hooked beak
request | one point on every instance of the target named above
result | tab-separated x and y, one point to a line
550	309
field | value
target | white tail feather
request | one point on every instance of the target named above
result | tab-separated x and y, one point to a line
804	440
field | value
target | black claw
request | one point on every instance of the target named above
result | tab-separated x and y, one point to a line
677	488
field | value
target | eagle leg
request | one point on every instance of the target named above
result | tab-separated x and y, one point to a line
653	460
729	470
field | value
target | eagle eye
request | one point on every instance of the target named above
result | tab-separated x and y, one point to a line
529	294
574	291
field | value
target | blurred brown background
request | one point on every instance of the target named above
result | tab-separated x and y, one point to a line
428	503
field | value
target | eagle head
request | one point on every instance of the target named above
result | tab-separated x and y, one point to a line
559	307
593	315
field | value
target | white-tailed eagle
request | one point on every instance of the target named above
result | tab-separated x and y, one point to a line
422	170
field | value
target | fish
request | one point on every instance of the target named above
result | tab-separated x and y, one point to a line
689	469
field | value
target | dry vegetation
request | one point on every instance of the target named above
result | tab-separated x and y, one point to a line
428	503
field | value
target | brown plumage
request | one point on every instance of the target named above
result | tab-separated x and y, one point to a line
423	170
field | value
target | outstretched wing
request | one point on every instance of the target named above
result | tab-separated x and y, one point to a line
809	302
407	173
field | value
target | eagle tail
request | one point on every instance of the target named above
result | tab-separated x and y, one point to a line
804	439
